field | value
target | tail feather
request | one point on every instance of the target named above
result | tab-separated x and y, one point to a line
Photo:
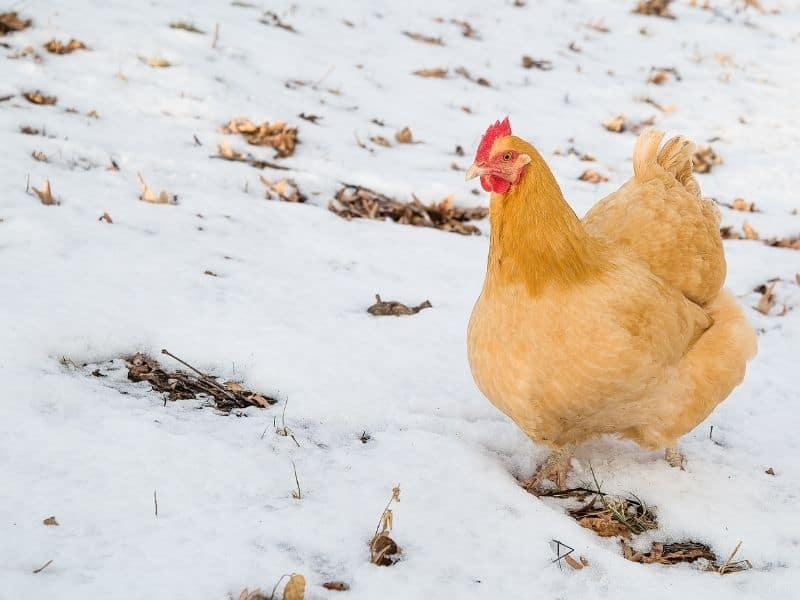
675	158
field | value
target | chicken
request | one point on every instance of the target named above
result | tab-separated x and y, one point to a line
614	324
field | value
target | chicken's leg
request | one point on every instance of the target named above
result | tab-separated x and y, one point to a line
674	458
554	469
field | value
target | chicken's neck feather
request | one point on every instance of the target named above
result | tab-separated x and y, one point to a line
536	238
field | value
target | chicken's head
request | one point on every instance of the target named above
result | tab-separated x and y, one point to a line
498	162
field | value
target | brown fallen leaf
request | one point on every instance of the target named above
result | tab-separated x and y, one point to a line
743	205
792	243
657	8
615	124
669	554
467	30
55	46
28	130
337	586
598	25
10	22
394	308
185	26
592	177
426	39
51	521
584	561
436	72
309	118
38	155
749	232
770	471
296	587
467	75
576	565
659	76
380	141
255	594
767	300
275	134
38	97
704	159
148	195
45	194
286	190
156	62
531	63
271	18
404	136
106	217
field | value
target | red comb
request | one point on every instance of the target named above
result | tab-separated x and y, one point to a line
499	129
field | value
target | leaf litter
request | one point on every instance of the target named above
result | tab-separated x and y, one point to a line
174	385
394	308
10	22
275	134
354	201
55	46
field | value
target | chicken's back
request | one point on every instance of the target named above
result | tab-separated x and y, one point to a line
661	218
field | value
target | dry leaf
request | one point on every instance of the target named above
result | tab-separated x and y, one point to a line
147	194
767	300
576	565
658	8
381	308
437	72
792	243
28	130
39	156
45	194
54	46
38	97
384	551
285	189
598	25
530	63
337	586
467	30
275	134
183	25
156	62
592	177
10	22
743	205
704	159
615	124
467	75
749	232
106	217
770	471
51	521
404	136
424	38
296	587
380	141
271	18
256	594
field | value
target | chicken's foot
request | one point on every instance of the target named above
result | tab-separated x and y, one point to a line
553	470
674	458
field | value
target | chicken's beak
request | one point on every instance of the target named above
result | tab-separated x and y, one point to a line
475	170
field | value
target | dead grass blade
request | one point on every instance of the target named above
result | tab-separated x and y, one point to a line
148	195
45	195
185	26
272	19
531	63
437	72
425	39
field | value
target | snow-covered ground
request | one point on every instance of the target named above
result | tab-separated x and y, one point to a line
286	313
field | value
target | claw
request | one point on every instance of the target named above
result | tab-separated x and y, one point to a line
553	471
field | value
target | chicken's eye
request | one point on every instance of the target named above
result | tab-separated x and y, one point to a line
507	156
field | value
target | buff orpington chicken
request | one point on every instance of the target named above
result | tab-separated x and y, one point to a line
616	323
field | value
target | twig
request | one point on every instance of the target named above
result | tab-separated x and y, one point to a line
298	495
43	567
275	589
155	501
216	35
728	560
205	377
28	184
560	556
395	496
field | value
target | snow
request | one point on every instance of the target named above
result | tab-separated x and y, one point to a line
286	314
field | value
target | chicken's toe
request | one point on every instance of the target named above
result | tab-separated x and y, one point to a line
553	471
